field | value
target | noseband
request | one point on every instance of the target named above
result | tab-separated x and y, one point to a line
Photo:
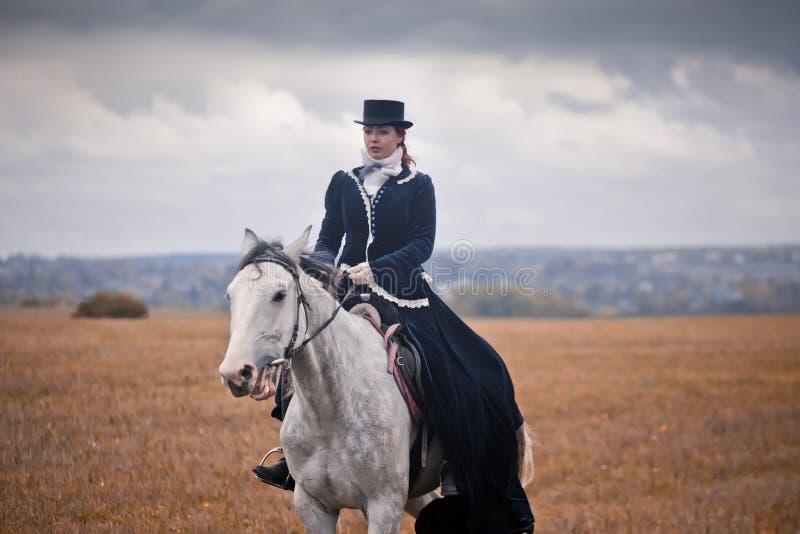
302	302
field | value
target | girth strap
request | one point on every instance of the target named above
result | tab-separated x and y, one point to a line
390	332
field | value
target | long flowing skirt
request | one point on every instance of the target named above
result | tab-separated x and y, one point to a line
470	402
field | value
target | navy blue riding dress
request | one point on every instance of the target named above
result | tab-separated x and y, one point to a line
468	391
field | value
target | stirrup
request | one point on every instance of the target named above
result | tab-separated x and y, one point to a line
270	452
447	480
259	471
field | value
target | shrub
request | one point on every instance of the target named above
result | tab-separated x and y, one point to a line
108	304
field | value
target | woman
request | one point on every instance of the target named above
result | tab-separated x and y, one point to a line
387	211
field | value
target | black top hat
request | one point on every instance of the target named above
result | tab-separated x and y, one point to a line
384	112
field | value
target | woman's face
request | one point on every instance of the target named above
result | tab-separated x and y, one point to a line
381	141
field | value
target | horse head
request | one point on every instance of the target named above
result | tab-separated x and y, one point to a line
265	312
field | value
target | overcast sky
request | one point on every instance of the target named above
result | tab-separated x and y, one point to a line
146	127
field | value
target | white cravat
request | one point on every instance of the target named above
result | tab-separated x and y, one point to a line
377	171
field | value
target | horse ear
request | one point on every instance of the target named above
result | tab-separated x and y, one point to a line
250	240
294	249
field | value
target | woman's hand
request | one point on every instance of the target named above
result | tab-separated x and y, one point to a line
361	274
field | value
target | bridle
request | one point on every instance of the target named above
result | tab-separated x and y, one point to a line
302	302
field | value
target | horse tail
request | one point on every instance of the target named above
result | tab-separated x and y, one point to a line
525	444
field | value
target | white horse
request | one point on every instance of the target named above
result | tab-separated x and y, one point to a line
347	432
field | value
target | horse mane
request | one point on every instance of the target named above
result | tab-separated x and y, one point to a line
327	274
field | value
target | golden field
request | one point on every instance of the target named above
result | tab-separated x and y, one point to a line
642	425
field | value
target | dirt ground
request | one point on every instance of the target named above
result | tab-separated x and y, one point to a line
642	425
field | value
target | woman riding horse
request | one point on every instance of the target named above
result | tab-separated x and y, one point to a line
387	211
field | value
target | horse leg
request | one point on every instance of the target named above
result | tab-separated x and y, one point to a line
315	518
384	515
414	506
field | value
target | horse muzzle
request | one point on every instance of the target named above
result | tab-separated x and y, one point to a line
239	379
237	390
246	381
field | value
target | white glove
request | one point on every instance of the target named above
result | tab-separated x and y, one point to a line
361	274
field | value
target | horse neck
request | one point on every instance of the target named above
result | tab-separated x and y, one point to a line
320	370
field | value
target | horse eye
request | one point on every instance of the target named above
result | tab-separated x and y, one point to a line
279	296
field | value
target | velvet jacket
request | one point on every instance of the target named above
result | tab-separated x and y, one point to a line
394	232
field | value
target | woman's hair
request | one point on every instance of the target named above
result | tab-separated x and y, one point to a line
407	158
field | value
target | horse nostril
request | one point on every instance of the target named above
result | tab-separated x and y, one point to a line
246	373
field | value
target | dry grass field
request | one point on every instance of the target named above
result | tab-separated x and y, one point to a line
643	425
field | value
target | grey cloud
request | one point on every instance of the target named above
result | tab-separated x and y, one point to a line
576	105
624	34
578	125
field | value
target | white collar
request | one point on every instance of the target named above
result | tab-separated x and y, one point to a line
391	165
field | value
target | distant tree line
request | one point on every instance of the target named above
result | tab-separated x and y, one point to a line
558	282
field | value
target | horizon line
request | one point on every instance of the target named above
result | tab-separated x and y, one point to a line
493	248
